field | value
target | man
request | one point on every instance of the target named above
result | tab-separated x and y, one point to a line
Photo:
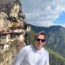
34	54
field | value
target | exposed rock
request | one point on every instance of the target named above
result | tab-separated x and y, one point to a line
15	10
11	14
3	21
12	21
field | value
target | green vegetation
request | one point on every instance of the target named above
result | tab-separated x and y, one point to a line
29	37
55	58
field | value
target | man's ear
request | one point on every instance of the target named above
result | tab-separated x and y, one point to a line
44	43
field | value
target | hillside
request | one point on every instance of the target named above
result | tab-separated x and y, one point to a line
55	58
55	37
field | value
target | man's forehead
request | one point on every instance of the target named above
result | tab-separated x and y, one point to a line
40	36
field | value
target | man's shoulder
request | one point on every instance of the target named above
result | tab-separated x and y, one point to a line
45	51
28	47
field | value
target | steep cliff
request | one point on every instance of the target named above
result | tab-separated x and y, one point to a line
12	23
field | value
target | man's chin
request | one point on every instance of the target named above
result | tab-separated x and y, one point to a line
38	48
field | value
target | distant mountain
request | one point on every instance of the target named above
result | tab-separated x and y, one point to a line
55	37
45	29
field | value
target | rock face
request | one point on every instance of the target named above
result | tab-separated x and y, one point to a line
12	29
10	11
7	6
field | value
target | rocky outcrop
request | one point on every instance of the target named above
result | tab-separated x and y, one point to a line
12	21
11	14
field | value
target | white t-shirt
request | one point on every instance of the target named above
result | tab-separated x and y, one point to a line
30	56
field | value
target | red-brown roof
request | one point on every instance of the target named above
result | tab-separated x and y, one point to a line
4	33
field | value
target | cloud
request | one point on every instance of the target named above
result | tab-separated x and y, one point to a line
42	12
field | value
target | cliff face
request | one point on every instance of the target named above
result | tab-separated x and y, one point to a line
12	24
10	12
7	5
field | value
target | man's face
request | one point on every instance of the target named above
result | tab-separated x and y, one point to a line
40	41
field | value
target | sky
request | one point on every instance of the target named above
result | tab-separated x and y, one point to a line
44	13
